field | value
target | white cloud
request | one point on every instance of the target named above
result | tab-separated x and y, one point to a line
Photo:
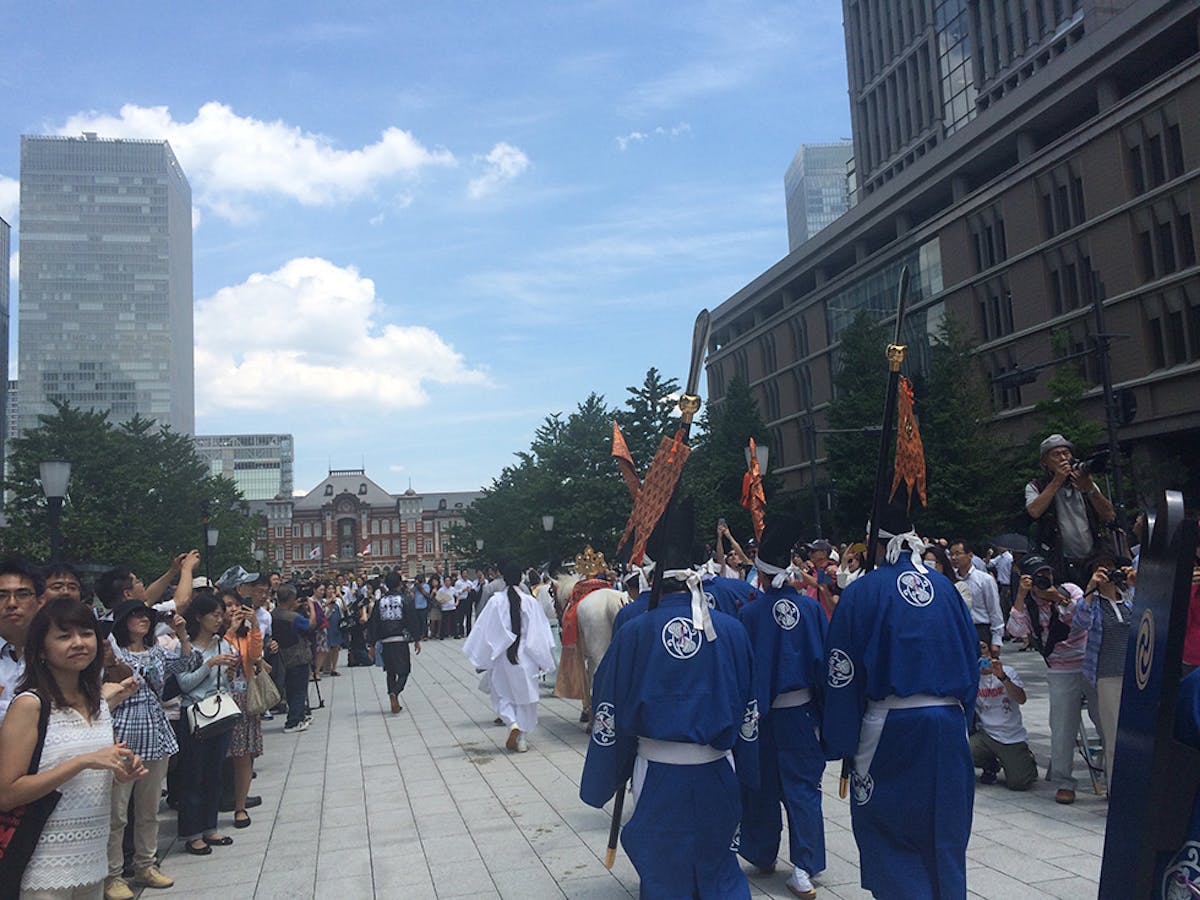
504	163
636	137
306	335
231	159
10	199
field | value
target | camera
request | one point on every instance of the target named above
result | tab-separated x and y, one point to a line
1044	582
1096	464
1117	577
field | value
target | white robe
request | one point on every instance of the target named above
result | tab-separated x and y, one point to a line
514	689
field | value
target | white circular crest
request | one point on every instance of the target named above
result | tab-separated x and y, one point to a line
1182	872
862	786
750	722
604	725
681	638
915	588
787	614
710	600
841	668
736	844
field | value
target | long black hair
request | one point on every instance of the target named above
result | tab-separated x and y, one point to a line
512	577
64	613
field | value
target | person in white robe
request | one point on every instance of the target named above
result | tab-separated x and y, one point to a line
512	644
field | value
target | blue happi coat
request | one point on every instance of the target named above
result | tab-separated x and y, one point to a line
662	679
1179	875
901	633
787	634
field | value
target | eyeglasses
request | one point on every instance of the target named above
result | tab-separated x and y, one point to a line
19	594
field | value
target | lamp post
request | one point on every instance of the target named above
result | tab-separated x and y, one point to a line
54	475
479	551
548	527
211	534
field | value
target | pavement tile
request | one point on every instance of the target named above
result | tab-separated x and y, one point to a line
428	804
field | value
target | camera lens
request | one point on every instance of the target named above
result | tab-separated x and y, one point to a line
1042	581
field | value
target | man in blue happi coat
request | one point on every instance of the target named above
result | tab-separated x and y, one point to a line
673	708
787	634
900	690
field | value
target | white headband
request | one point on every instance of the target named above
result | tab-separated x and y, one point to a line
913	542
780	576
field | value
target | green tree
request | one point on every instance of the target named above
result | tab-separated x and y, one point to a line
567	472
1062	409
649	413
860	382
713	474
135	497
969	495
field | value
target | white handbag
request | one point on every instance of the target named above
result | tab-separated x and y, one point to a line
214	715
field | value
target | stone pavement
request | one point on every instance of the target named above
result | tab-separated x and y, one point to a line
429	804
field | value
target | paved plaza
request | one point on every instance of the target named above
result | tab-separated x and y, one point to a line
429	804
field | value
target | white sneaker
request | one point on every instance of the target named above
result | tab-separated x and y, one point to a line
801	885
522	747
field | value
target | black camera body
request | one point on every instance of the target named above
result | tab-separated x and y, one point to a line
1044	582
1096	464
1117	577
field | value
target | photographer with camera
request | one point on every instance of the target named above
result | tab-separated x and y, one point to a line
1073	517
1105	612
291	617
1045	611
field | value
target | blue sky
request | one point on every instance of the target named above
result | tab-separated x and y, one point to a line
420	229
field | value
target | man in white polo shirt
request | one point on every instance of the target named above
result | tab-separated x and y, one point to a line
20	587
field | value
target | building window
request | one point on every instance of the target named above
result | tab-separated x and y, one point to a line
329	490
1154	149
362	489
989	240
1173	325
1062	199
374	526
800	336
1165	240
385	526
295	531
279	532
428	546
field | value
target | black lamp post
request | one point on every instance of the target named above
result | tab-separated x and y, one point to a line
55	474
548	527
211	533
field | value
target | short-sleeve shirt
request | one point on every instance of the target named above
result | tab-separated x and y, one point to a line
999	714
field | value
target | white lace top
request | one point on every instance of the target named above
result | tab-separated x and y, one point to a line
73	847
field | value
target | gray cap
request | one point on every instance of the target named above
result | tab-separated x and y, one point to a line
234	576
1053	442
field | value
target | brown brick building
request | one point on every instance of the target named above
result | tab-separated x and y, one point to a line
350	522
1029	162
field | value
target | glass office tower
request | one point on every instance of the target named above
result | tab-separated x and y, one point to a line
105	280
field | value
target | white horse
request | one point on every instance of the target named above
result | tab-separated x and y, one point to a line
594	615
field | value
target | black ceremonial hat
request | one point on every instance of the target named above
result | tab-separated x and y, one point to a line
778	539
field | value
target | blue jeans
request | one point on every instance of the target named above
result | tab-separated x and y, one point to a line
295	686
199	777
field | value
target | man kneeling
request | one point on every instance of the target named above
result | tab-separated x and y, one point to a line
1000	740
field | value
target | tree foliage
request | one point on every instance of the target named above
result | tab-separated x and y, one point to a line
970	485
860	382
135	496
713	475
1062	409
567	472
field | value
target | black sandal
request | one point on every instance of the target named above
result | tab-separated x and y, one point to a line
244	821
204	850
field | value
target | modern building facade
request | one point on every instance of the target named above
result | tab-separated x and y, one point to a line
105	280
1060	181
260	464
816	188
349	521
5	412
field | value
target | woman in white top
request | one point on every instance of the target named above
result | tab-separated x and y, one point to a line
79	758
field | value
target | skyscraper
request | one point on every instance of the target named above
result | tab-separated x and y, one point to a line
816	188
260	464
5	433
105	280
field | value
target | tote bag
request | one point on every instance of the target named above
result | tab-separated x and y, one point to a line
214	715
21	827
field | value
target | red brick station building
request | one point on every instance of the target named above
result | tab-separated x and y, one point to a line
348	522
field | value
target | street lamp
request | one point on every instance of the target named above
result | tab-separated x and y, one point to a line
55	474
548	527
211	533
479	551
